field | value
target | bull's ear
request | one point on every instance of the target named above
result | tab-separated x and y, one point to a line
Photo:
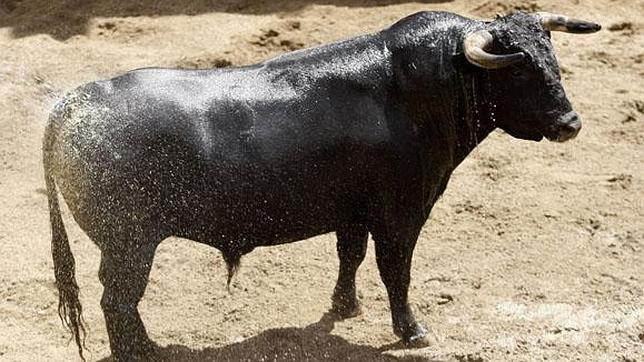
556	22
475	45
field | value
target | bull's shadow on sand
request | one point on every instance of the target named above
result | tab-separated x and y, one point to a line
63	19
311	343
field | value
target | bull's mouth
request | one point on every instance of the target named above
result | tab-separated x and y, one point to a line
564	129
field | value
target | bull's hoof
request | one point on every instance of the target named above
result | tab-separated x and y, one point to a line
417	341
346	310
414	336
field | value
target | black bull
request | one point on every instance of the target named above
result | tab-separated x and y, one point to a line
355	137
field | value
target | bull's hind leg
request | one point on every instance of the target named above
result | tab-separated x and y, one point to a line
124	275
394	251
352	247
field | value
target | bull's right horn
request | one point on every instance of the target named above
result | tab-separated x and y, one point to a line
474	47
556	22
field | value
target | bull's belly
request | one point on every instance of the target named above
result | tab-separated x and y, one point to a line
262	222
247	234
119	204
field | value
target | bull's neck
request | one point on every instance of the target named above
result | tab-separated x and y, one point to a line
474	109
458	112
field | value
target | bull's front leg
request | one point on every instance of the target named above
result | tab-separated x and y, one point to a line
394	249
352	248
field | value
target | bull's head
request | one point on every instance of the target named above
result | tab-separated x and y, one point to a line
530	99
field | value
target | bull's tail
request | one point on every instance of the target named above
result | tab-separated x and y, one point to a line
69	307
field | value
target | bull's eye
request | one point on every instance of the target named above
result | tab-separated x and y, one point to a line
517	73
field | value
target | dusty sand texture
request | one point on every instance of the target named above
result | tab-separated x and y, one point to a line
535	251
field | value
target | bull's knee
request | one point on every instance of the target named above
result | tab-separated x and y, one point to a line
116	304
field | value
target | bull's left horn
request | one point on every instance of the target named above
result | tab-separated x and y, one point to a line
556	22
475	46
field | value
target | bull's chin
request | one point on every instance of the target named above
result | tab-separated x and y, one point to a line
561	137
524	135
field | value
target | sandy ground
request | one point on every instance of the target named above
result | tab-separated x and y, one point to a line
534	252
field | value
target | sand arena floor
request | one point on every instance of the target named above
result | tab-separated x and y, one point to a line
535	251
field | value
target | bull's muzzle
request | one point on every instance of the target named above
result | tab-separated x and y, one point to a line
566	128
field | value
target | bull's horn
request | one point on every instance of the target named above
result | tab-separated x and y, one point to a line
474	46
556	22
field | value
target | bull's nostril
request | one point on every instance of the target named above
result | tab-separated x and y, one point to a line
570	118
569	126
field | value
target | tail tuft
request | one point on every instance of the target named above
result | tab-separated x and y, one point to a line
232	265
70	310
